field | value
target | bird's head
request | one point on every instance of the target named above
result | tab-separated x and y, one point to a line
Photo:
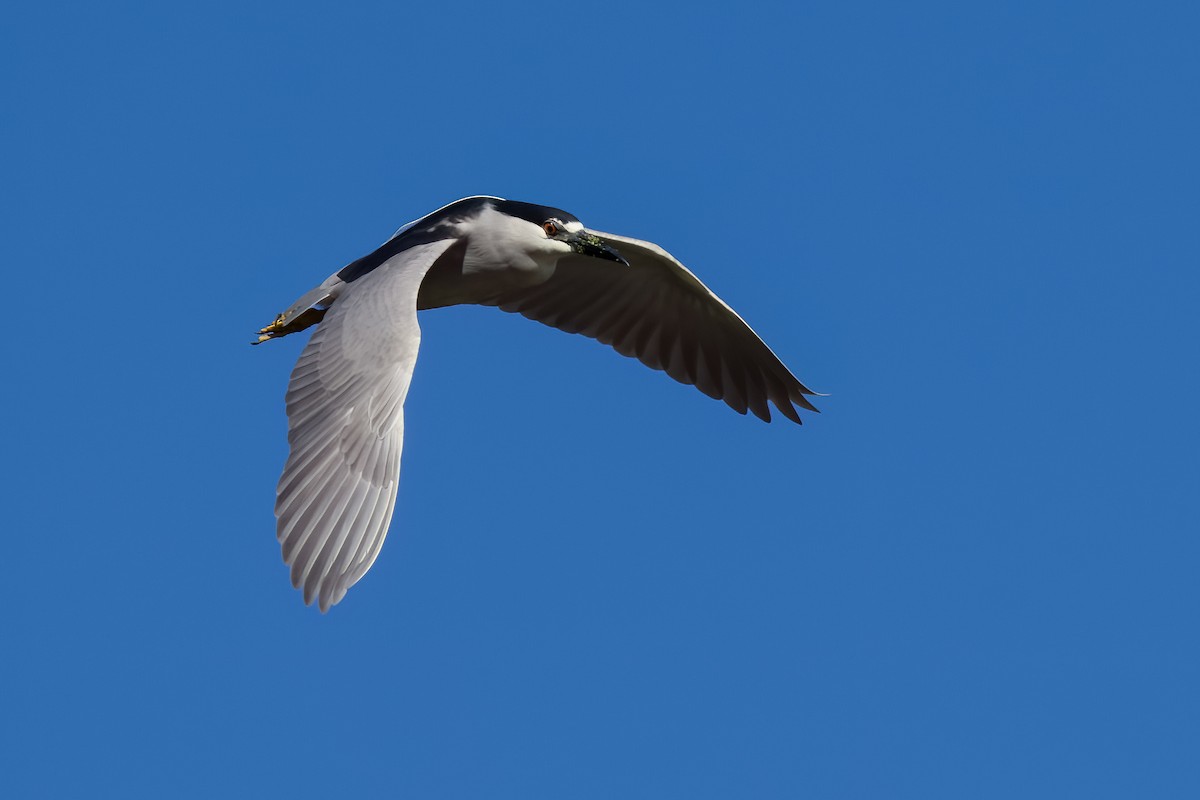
538	232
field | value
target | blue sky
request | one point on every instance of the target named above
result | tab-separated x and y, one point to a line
973	575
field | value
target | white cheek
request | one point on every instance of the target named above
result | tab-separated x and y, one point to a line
499	242
539	255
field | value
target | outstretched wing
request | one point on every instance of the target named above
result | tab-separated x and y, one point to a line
345	406
657	311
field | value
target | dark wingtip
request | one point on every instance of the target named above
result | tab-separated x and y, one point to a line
789	411
802	401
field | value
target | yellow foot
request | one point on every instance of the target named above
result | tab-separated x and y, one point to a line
272	329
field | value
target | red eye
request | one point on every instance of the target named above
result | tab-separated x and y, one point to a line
550	228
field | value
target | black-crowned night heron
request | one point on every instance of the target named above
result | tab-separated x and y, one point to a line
345	401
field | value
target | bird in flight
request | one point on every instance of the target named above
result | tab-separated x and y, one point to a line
345	399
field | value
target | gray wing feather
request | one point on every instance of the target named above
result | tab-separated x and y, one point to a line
657	311
345	405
